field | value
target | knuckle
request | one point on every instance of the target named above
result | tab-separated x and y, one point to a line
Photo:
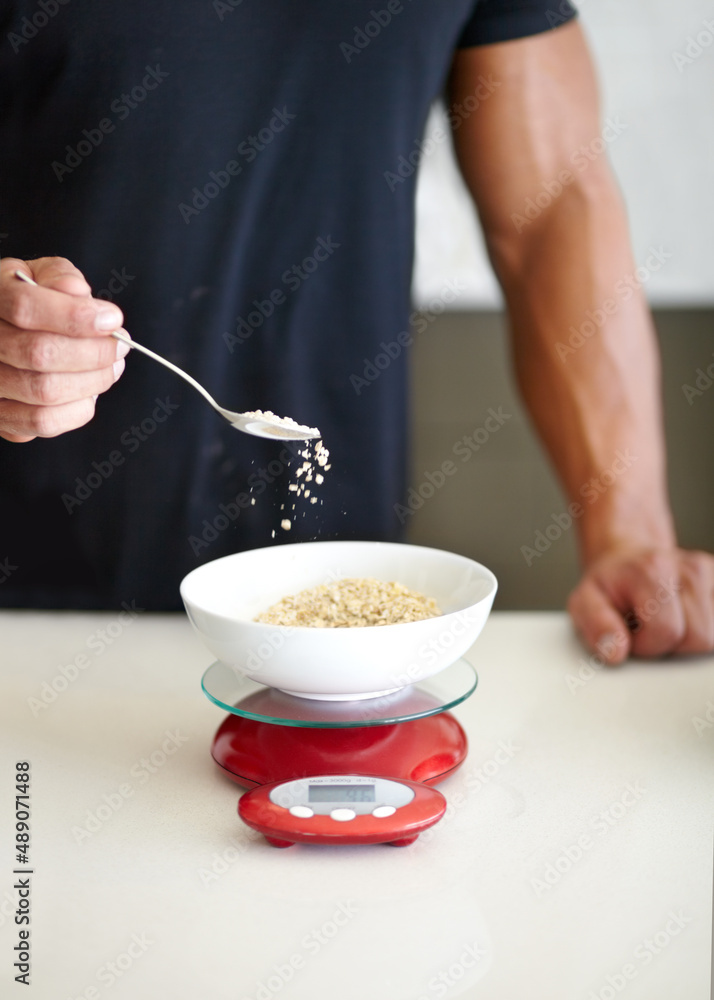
45	421
46	388
58	262
42	353
650	563
697	569
50	421
668	633
661	627
21	312
653	566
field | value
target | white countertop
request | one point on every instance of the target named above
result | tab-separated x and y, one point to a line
579	829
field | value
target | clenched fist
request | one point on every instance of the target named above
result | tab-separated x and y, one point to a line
646	602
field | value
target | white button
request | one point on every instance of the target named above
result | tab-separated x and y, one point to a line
381	811
302	812
343	814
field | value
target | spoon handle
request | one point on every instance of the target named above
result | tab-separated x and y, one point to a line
250	423
126	339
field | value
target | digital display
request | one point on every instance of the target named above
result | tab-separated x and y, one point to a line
341	793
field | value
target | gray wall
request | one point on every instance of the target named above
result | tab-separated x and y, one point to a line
497	499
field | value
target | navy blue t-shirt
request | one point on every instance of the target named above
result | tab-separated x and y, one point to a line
227	173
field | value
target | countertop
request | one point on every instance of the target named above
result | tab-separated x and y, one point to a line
574	861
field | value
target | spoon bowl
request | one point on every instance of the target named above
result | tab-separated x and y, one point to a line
258	422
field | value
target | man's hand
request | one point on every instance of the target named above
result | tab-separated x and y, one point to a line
646	602
56	355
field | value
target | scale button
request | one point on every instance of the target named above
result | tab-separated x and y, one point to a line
343	814
382	811
302	812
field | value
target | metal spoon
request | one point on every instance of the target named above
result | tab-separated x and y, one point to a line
261	424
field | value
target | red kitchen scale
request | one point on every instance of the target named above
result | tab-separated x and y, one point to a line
340	772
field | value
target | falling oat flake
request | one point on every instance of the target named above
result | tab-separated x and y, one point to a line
306	477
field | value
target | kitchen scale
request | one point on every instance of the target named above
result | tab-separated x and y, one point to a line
340	771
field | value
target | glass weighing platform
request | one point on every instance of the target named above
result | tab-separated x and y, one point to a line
273	736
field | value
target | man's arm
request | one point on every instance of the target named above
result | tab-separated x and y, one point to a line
595	399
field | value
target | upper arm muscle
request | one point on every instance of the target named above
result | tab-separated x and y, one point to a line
542	109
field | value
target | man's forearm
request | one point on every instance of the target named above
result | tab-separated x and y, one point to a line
584	347
587	364
593	393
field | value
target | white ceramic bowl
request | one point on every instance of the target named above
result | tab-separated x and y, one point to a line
222	597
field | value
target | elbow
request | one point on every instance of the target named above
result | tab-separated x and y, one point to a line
558	213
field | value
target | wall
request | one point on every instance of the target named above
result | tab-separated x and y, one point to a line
503	493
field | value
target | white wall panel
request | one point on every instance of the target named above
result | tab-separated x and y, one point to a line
655	61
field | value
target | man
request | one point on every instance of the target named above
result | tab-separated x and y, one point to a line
221	172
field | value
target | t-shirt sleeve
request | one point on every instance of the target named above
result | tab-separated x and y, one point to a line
504	20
